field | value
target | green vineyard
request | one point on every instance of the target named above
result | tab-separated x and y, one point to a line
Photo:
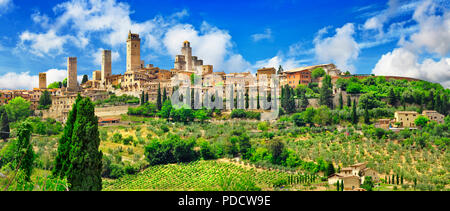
200	176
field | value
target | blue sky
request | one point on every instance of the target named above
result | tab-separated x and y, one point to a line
392	37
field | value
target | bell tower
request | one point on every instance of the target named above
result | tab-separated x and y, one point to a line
186	50
133	52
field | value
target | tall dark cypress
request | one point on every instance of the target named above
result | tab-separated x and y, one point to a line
4	124
354	114
85	158
366	115
62	162
146	97
164	98
142	98
341	101
158	99
349	101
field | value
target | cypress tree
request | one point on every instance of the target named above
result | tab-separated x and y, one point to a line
349	101
193	98
431	100
158	99
164	95
146	97
326	92
85	158
142	98
280	70
246	99
438	103
445	104
338	186
342	185
62	161
392	98
258	106
393	179
401	179
24	154
398	180
4	124
366	115
341	101
85	79
330	169
354	114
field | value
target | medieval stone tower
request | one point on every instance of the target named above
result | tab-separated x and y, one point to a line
72	84
42	80
186	50
133	52
106	66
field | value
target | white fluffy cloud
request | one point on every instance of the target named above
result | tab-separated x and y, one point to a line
237	63
5	5
267	35
340	49
401	62
42	44
211	44
432	38
434	33
25	80
78	21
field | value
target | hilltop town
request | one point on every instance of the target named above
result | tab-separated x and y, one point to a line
145	79
332	128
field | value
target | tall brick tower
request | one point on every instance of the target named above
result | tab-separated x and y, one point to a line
186	50
133	52
72	84
42	80
106	66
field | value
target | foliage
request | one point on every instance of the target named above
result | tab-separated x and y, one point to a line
171	150
317	73
368	183
23	151
421	121
85	79
147	109
45	101
45	127
241	113
118	100
326	92
18	109
55	85
4	124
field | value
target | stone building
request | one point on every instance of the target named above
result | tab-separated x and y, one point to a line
353	176
97	75
434	116
42	80
406	118
351	182
298	76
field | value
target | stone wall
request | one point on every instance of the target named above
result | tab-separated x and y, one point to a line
112	110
